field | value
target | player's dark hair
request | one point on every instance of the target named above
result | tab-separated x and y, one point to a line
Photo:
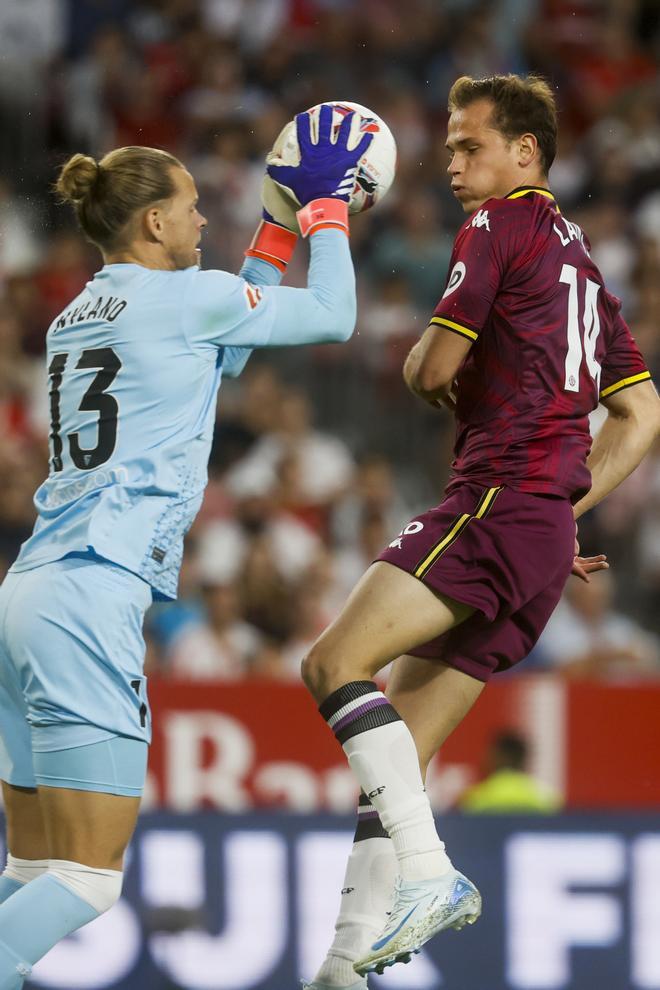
522	105
105	195
510	750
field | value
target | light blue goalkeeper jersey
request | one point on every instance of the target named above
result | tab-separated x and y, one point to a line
134	364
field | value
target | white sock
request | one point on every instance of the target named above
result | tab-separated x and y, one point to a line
381	752
366	899
385	762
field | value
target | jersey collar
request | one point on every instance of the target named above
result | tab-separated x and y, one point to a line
524	190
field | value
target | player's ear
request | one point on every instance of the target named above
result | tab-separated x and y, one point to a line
153	226
527	150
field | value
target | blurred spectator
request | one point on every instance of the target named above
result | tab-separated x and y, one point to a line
19	246
352	560
508	787
31	36
306	469
415	249
373	495
586	637
219	646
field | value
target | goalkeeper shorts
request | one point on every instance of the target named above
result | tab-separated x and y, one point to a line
71	676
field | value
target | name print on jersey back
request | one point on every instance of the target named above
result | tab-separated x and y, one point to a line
102	309
548	343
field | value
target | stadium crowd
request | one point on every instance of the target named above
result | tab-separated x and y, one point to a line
320	454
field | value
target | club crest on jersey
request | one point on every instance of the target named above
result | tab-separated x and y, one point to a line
455	279
253	295
480	219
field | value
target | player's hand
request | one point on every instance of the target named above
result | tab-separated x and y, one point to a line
327	168
584	566
446	398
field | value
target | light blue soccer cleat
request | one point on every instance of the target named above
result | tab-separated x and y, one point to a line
421	909
359	985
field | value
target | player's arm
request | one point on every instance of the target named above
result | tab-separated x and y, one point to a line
631	427
480	257
266	261
432	365
224	310
232	312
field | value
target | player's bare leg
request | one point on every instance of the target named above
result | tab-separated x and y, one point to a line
88	827
432	698
27	849
83	835
388	614
26	835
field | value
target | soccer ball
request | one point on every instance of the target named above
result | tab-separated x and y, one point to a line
374	175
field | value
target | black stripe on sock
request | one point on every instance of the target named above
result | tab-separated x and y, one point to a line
369	828
382	715
343	695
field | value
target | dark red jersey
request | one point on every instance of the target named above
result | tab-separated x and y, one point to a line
549	342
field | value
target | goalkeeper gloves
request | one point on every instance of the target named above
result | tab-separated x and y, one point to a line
327	168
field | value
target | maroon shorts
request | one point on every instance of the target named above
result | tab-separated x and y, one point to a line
506	553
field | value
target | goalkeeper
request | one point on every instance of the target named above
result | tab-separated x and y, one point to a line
135	362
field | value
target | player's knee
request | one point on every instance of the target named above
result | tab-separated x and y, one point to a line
313	670
99	888
320	670
307	671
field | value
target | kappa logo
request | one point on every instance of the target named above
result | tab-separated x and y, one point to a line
253	295
413	527
480	219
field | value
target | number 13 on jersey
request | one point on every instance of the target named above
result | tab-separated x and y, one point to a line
95	399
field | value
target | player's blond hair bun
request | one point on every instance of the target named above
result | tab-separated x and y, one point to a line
78	177
107	195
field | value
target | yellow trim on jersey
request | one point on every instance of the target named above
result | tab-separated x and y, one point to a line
483	507
456	327
624	383
529	189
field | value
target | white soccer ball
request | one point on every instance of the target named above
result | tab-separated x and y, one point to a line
375	172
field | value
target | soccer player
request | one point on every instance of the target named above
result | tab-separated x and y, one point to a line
524	343
135	362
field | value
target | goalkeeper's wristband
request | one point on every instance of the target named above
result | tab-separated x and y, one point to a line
321	214
273	243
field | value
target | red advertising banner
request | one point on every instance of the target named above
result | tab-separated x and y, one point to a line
262	744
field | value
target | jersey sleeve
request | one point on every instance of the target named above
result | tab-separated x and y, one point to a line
482	250
257	272
221	309
623	364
